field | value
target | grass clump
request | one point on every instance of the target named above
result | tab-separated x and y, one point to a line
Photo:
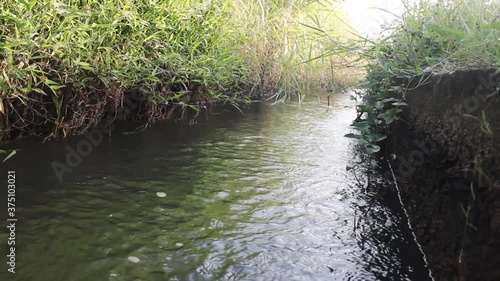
63	64
430	37
285	43
438	36
66	64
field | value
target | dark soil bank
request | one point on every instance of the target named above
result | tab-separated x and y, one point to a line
448	167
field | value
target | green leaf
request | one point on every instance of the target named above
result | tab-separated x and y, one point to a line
9	45
391	112
376	137
389	119
444	31
24	2
494	25
194	107
362	141
365	108
389	100
399	103
85	66
353	136
365	128
50	82
379	105
32	4
56	87
372	149
7	18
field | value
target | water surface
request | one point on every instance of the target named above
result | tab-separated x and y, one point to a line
263	195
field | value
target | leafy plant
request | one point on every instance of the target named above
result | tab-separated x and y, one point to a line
65	65
375	115
430	37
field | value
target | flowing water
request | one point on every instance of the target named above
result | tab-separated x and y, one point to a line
263	195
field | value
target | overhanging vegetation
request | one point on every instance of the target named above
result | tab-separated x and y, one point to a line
65	65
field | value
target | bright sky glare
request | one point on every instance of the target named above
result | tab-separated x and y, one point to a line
367	19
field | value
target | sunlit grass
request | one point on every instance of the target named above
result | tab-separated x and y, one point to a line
439	36
430	37
285	45
65	65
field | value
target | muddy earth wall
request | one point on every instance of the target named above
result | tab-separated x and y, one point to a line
447	165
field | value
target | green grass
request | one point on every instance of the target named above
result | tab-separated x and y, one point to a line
281	39
430	37
65	65
437	36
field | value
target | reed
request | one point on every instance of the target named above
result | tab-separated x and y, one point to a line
284	43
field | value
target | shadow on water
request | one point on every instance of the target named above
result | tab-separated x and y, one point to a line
262	195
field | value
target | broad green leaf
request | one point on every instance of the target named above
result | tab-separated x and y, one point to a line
372	149
362	142
379	104
365	108
353	136
389	119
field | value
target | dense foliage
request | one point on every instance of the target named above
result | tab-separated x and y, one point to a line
430	37
66	64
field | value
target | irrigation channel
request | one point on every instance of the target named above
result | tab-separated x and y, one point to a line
263	195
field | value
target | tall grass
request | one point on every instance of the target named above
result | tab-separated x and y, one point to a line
67	64
64	62
438	36
430	37
284	40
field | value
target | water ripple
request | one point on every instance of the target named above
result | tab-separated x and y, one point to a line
260	196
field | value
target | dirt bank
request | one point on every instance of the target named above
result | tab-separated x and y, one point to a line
448	167
78	111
